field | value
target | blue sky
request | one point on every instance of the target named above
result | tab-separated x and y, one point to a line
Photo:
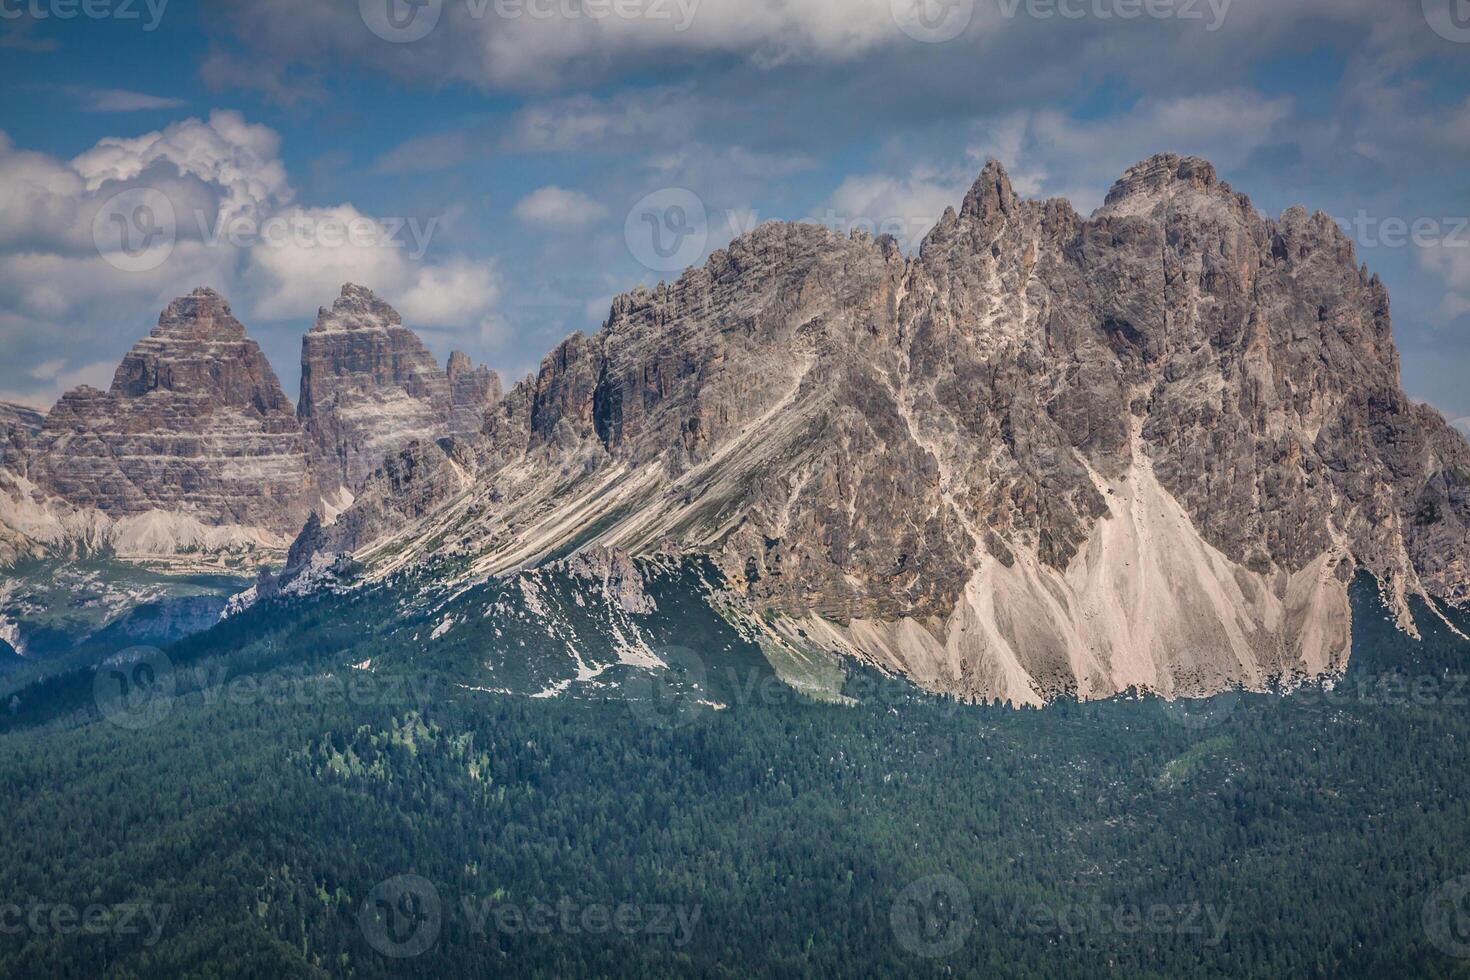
487	169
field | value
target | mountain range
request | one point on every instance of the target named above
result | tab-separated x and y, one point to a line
1046	455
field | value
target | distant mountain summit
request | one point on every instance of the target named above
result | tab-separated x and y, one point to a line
369	386
195	448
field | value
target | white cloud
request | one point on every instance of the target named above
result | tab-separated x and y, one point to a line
98	374
48	370
39	197
122	100
235	230
226	152
457	293
904	207
559	208
583	121
426	154
295	273
1050	153
1449	260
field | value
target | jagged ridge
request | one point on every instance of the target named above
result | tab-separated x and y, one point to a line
1045	455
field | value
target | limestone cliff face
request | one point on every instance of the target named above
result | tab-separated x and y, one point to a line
369	387
18	425
1047	454
195	425
472	392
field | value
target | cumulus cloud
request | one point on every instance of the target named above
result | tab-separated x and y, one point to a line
227	152
226	219
559	208
905	207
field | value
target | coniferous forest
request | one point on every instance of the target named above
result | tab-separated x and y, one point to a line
295	822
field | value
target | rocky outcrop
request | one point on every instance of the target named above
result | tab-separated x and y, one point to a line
369	387
1046	455
472	392
17	425
193	445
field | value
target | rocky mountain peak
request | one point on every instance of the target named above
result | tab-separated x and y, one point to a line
369	387
1164	175
459	363
357	308
202	315
198	349
990	194
195	431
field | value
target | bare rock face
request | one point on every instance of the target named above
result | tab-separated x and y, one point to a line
19	419
18	425
472	392
369	387
194	427
1046	455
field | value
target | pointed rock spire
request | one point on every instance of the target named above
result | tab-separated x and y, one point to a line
990	194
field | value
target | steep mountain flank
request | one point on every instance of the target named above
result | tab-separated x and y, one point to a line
1046	455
